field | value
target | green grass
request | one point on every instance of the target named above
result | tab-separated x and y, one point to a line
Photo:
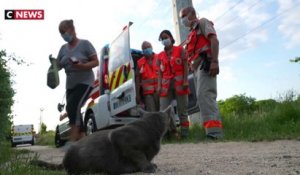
279	122
282	122
15	162
46	138
196	134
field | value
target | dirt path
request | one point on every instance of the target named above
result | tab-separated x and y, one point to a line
277	157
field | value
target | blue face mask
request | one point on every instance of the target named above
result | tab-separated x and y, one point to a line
67	37
185	20
166	42
148	51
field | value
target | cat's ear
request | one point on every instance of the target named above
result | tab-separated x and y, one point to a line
170	113
142	112
168	110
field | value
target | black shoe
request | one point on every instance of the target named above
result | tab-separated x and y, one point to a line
184	132
214	136
210	137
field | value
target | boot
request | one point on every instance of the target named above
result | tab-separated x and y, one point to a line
184	132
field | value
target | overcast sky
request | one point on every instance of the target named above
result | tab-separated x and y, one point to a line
257	39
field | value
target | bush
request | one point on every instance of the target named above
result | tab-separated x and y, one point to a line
275	120
46	138
237	105
265	105
6	97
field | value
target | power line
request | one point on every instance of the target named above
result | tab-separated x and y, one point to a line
148	18
260	26
232	7
253	5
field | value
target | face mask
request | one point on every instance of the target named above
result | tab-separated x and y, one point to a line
166	42
67	37
148	51
185	21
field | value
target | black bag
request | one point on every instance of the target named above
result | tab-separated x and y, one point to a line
205	64
52	75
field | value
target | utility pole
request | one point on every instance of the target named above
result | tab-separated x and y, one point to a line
41	118
181	31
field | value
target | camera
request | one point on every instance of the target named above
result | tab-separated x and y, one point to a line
205	65
74	60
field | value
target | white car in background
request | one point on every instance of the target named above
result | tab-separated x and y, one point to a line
62	134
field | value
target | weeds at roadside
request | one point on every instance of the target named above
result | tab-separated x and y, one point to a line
279	121
14	162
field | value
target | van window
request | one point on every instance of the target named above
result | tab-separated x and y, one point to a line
119	52
103	77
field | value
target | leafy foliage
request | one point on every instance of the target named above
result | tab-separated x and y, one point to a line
265	105
43	129
6	91
237	104
282	121
6	97
297	59
46	138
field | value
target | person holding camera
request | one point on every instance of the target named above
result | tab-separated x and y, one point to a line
202	48
78	57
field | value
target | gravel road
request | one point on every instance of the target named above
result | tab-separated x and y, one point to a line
214	158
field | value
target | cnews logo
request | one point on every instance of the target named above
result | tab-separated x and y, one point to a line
24	14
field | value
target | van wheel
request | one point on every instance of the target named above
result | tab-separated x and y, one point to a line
32	141
13	144
90	124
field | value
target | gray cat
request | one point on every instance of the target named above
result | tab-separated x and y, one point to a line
126	149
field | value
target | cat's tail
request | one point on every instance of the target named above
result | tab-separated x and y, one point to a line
47	165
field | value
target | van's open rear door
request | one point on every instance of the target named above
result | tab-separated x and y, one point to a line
121	74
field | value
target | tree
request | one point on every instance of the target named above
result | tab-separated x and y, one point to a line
43	129
7	92
266	105
6	97
297	59
238	104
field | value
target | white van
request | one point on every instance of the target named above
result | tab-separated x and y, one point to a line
22	134
112	102
113	99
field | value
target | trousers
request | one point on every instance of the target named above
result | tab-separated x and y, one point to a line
181	100
206	91
152	102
